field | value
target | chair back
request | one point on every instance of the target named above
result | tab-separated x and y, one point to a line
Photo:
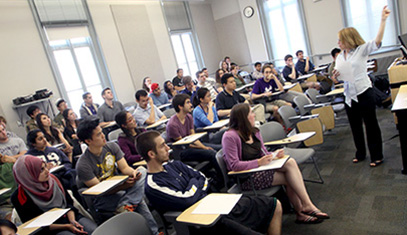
301	101
131	104
326	115
126	223
169	112
113	135
286	112
272	131
297	88
313	124
222	166
313	78
312	94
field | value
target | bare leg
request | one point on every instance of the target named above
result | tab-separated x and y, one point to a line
275	223
291	176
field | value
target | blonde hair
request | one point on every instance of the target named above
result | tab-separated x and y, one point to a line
350	38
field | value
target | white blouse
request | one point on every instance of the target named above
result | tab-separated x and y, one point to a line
358	60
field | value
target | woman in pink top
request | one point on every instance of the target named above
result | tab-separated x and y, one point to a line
244	149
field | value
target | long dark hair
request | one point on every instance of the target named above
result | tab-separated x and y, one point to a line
145	87
121	120
166	89
238	121
54	132
67	122
200	94
218	77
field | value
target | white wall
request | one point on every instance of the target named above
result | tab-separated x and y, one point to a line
24	64
204	24
127	73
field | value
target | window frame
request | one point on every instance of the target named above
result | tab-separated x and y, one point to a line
266	32
395	13
94	46
194	37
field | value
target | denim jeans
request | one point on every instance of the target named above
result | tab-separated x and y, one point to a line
130	196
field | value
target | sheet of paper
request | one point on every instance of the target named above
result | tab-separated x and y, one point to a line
103	186
4	190
275	164
217	204
57	168
218	124
305	76
345	71
47	218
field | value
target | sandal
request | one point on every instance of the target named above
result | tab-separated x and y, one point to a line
376	163
309	220
355	160
317	214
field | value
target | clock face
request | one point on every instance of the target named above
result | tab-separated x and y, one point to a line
248	12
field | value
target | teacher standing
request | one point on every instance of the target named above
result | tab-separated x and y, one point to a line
360	104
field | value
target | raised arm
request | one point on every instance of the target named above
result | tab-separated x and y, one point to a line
151	119
385	14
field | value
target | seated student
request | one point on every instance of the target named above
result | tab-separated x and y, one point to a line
99	163
7	227
287	95
71	125
244	149
126	139
169	90
238	79
108	110
205	113
264	88
88	108
147	84
203	82
146	112
52	156
3	122
256	74
39	147
181	125
11	148
59	119
52	134
229	97
208	78
159	98
290	74
177	80
167	191
40	191
303	66
218	75
189	86
224	66
334	53
32	112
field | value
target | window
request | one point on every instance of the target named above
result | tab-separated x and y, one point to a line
365	16
183	38
284	29
68	37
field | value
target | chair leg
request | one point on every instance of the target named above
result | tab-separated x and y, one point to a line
321	181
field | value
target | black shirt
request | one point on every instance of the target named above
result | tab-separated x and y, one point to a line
251	151
176	81
226	101
287	71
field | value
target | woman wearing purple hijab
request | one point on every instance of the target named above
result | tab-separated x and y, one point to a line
40	191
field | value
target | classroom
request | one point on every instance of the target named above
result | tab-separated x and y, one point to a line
69	47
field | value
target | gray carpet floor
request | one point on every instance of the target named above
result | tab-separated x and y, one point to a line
359	199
